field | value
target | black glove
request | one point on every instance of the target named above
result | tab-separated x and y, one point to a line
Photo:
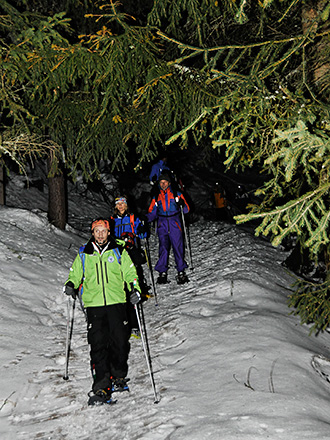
144	219
70	290
181	202
134	296
141	230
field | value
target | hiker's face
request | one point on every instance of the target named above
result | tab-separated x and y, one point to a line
164	184
101	234
122	207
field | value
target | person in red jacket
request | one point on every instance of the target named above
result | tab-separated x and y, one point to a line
165	207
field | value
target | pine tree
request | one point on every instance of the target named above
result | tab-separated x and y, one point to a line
249	79
269	92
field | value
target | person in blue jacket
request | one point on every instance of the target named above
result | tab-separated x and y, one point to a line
166	208
128	227
157	169
124	221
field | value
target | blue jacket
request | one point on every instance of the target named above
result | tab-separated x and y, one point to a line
127	223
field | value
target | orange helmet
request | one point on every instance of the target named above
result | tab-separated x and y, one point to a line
100	222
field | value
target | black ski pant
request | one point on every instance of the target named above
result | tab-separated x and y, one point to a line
108	336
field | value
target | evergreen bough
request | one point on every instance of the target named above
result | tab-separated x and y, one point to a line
249	79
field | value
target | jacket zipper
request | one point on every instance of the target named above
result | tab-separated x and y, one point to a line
102	280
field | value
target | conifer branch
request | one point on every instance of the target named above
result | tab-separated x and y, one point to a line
292	217
300	39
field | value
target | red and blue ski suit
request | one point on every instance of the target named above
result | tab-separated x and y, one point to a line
166	210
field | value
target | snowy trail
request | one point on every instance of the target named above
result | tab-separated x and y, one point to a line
227	358
47	398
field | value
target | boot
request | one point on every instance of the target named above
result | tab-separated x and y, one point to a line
182	278
162	279
120	384
100	397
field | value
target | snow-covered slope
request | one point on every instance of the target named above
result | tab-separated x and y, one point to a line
229	362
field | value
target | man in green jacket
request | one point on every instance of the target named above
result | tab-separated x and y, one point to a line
106	272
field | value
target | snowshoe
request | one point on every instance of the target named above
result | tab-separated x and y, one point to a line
119	385
100	397
162	279
146	292
182	278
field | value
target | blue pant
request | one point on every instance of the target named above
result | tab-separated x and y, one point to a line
170	234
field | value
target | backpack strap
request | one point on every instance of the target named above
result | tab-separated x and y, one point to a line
82	256
131	220
118	254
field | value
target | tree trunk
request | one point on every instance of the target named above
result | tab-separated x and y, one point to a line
57	207
320	67
2	186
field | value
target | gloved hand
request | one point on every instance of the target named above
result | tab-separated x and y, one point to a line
144	219
141	231
69	290
134	296
181	202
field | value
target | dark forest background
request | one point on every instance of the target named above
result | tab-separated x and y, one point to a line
237	87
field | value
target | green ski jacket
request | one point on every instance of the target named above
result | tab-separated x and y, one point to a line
103	276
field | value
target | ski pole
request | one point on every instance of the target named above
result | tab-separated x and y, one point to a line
151	274
186	238
146	349
69	330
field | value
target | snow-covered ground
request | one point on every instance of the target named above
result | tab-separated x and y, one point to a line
229	362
